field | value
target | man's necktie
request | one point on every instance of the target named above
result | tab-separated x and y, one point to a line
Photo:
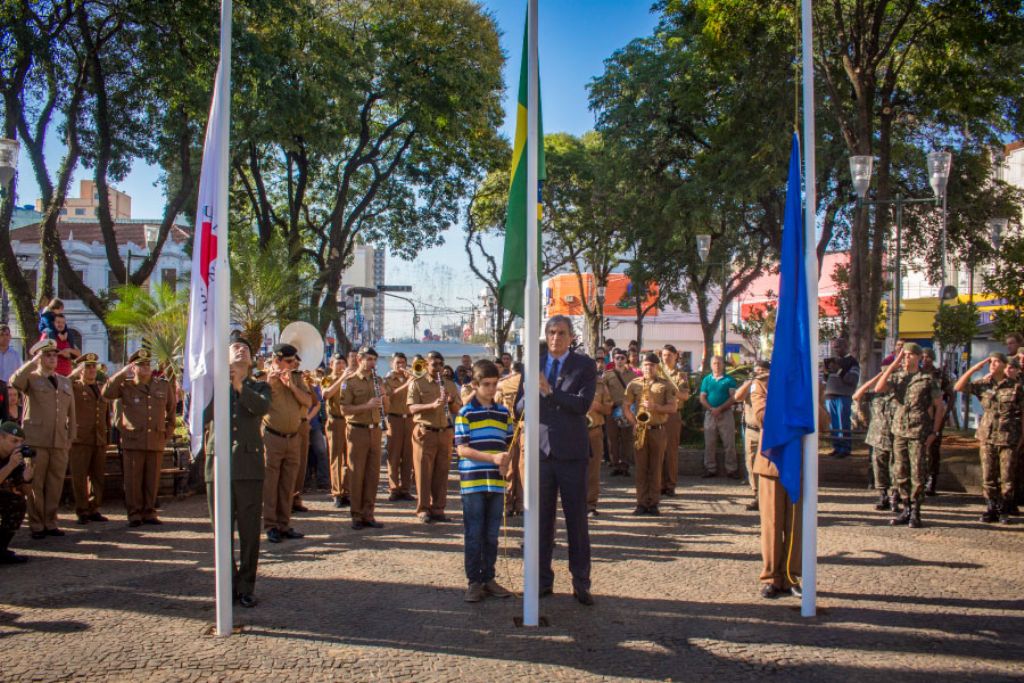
53	381
553	373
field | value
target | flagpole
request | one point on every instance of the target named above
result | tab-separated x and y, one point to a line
531	392
221	379
809	574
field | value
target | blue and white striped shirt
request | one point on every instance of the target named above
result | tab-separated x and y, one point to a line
488	430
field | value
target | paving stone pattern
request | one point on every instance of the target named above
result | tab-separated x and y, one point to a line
676	600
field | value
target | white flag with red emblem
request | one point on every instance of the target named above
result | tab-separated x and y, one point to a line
199	350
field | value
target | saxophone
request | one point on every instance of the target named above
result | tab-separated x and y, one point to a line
643	418
377	394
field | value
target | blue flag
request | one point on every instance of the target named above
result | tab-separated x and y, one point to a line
789	413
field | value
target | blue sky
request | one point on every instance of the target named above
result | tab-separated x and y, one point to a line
576	36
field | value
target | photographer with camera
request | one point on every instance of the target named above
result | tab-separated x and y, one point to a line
15	474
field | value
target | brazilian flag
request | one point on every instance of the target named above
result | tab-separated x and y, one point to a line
513	263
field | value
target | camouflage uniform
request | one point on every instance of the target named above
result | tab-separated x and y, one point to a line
879	437
998	436
934	451
913	395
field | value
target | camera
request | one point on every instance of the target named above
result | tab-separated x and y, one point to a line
27	451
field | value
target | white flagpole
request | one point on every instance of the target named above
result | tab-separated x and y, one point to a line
809	573
531	392
221	379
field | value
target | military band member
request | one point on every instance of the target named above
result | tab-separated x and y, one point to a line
753	394
305	429
400	425
49	424
600	409
147	423
915	425
1000	432
250	401
620	429
658	397
337	447
89	445
508	389
289	401
433	402
364	403
674	426
928	365
879	438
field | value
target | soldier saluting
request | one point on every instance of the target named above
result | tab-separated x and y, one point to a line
250	401
147	422
49	424
1000	432
89	445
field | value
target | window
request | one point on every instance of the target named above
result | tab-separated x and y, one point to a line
79	212
63	212
63	291
169	276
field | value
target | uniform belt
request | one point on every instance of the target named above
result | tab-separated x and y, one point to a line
598	426
753	429
655	427
435	429
280	434
362	426
398	414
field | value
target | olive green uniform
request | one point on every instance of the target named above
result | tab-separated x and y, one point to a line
248	407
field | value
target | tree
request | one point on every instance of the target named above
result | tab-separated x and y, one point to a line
1006	281
956	325
366	122
159	317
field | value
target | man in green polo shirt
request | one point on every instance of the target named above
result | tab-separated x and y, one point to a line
716	395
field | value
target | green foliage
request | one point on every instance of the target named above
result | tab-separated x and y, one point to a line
956	325
159	317
1006	281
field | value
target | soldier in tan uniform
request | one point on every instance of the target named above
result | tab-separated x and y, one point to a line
89	446
753	394
658	398
337	449
304	436
780	527
365	403
620	429
49	425
674	426
397	384
147	422
508	388
289	400
600	408
433	411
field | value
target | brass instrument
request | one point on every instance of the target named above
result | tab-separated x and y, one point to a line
643	418
377	394
307	340
590	421
444	397
419	368
327	381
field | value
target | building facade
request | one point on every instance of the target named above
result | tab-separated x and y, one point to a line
86	205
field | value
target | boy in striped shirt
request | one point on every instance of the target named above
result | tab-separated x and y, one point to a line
482	432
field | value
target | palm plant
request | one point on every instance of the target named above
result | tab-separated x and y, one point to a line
159	316
265	288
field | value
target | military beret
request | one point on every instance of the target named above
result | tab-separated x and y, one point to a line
285	351
998	355
367	351
12	428
1015	362
652	358
930	353
43	345
87	359
911	347
143	355
236	338
338	356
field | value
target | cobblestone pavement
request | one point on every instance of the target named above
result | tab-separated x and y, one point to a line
676	600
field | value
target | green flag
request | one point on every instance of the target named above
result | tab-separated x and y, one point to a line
513	262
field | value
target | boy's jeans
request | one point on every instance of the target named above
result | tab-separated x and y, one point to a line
481	516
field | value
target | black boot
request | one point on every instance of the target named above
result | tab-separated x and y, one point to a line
991	513
915	515
899	517
1004	511
883	502
929	487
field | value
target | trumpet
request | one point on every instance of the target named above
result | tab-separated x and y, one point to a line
643	418
419	368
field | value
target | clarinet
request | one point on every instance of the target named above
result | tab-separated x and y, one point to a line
377	394
444	395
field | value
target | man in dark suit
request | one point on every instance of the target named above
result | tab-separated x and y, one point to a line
250	400
567	386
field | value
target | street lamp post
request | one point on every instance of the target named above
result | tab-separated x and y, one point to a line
861	167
